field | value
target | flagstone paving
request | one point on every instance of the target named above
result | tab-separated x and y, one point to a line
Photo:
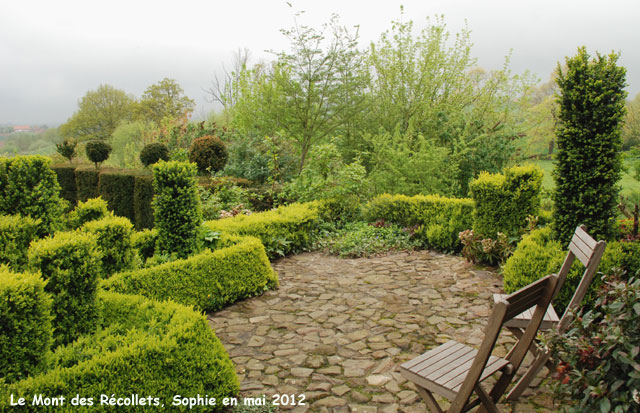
337	329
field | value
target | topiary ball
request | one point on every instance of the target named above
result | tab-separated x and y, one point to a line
154	152
209	153
97	151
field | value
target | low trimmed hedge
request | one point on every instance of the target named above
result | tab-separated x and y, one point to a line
67	179
282	231
70	262
538	255
113	235
438	220
16	233
144	347
25	325
117	187
87	179
208	280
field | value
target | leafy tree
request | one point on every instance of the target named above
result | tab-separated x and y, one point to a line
310	93
154	152
99	113
127	140
589	164
631	129
164	99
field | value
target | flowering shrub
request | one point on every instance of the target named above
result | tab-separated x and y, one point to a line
598	366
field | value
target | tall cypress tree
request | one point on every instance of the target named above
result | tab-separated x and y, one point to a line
588	164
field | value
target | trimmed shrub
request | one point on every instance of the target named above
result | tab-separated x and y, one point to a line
91	210
67	179
25	325
144	347
87	183
114	240
282	231
538	254
145	242
97	151
16	233
70	262
588	161
176	208
116	187
503	202
142	200
154	152
209	153
67	148
208	280
437	220
30	188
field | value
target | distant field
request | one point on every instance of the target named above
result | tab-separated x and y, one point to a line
628	183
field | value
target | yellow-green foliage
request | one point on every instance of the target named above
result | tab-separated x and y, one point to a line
70	262
16	232
143	347
25	325
439	219
29	187
90	210
145	242
208	280
503	202
114	240
282	231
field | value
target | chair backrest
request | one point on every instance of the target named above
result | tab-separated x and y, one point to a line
538	295
589	252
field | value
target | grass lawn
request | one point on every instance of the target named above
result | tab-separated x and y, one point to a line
628	183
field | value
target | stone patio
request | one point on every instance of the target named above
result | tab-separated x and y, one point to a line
337	329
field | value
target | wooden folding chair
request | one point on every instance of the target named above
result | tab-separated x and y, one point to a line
588	252
455	371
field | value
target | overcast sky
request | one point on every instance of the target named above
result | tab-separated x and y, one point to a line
53	52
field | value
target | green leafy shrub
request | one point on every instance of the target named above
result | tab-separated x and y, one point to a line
588	161
70	262
598	369
16	233
176	208
25	325
282	231
97	151
114	241
145	242
90	210
154	152
223	196
209	153
30	188
538	254
142	201
117	187
208	280
360	239
503	202
67	148
490	251
67	180
87	183
142	347
438	220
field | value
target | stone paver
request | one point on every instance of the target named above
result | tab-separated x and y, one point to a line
337	329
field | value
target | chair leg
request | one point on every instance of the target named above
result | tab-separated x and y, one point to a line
487	403
530	374
431	402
